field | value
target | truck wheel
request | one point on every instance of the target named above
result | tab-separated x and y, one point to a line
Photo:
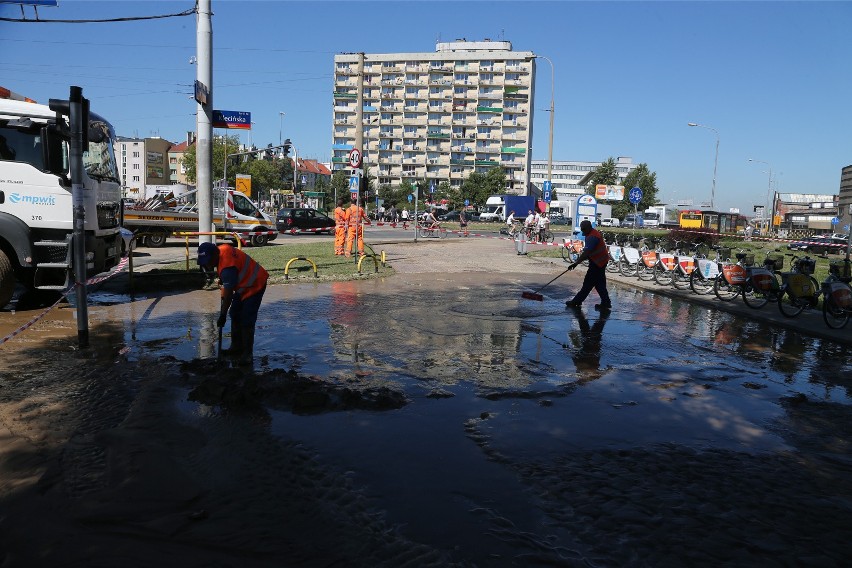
259	240
7	279
156	240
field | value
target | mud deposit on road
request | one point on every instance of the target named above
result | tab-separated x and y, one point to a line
430	419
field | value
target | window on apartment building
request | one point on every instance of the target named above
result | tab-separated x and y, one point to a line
173	172
436	64
462	77
436	104
460	91
411	90
135	154
411	116
135	166
389	64
135	178
458	116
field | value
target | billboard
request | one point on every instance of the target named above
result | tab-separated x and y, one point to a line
609	192
231	119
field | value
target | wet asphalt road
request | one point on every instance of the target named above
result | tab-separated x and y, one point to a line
503	390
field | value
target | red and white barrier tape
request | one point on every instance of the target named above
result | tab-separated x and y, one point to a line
94	280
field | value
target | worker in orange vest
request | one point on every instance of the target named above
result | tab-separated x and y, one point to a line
354	216
243	282
339	227
598	255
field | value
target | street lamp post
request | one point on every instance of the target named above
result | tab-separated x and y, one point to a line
766	211
550	144
715	162
280	124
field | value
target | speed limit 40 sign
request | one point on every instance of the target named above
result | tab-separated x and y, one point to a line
355	158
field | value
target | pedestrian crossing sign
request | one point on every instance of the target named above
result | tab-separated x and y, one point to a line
353	183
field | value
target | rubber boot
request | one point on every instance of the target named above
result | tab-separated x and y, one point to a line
236	343
247	356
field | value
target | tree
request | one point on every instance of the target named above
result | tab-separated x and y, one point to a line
645	180
265	177
340	184
222	146
605	174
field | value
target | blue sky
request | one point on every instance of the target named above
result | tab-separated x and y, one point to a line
771	77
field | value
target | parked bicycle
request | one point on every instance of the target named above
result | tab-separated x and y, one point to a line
701	279
837	295
799	290
729	283
631	259
571	249
761	285
650	259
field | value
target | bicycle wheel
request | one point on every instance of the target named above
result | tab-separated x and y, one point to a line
754	298
724	290
440	233
626	268
644	273
680	280
662	276
548	237
699	284
424	232
566	253
790	305
613	266
836	317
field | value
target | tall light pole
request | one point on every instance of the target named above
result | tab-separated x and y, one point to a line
715	162
280	124
550	145
766	211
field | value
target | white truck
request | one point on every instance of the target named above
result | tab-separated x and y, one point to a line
36	217
160	216
662	216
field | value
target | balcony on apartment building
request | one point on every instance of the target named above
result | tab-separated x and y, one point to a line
441	69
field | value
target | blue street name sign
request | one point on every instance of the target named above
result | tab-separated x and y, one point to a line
231	119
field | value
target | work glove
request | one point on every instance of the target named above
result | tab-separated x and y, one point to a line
222	319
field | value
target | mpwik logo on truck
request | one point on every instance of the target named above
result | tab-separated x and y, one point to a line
32	199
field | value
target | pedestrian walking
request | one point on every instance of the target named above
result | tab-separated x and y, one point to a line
463	222
596	252
243	283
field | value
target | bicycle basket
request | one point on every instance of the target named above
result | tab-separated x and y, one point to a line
774	263
748	260
725	253
807	265
840	268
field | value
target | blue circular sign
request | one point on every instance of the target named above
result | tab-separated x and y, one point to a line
635	195
410	198
466	202
835	220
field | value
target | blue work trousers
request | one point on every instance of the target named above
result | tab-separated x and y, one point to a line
595	278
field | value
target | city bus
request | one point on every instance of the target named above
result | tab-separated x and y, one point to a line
712	221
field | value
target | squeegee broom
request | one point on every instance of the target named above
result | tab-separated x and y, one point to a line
538	297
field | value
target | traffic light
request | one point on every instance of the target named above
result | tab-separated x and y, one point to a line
269	153
285	149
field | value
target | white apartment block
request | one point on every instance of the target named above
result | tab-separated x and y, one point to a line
438	116
130	155
570	177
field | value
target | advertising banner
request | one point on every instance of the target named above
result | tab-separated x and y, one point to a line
609	192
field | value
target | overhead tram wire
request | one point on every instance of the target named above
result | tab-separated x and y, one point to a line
189	12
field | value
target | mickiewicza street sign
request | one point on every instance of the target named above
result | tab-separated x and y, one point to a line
231	119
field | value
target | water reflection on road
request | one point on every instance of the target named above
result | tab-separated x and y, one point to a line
493	379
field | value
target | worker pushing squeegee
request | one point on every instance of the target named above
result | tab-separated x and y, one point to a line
596	252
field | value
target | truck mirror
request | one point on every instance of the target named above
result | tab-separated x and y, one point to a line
55	158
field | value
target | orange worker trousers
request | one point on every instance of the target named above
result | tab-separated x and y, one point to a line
350	238
339	239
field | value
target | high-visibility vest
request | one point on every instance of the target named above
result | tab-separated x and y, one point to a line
599	255
251	277
340	217
354	215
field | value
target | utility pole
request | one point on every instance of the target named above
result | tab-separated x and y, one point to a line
204	120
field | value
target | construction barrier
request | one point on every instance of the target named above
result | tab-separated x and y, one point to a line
94	280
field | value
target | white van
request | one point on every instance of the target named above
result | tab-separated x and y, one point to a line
609	222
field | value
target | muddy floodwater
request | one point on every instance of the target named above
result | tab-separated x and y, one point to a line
426	419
